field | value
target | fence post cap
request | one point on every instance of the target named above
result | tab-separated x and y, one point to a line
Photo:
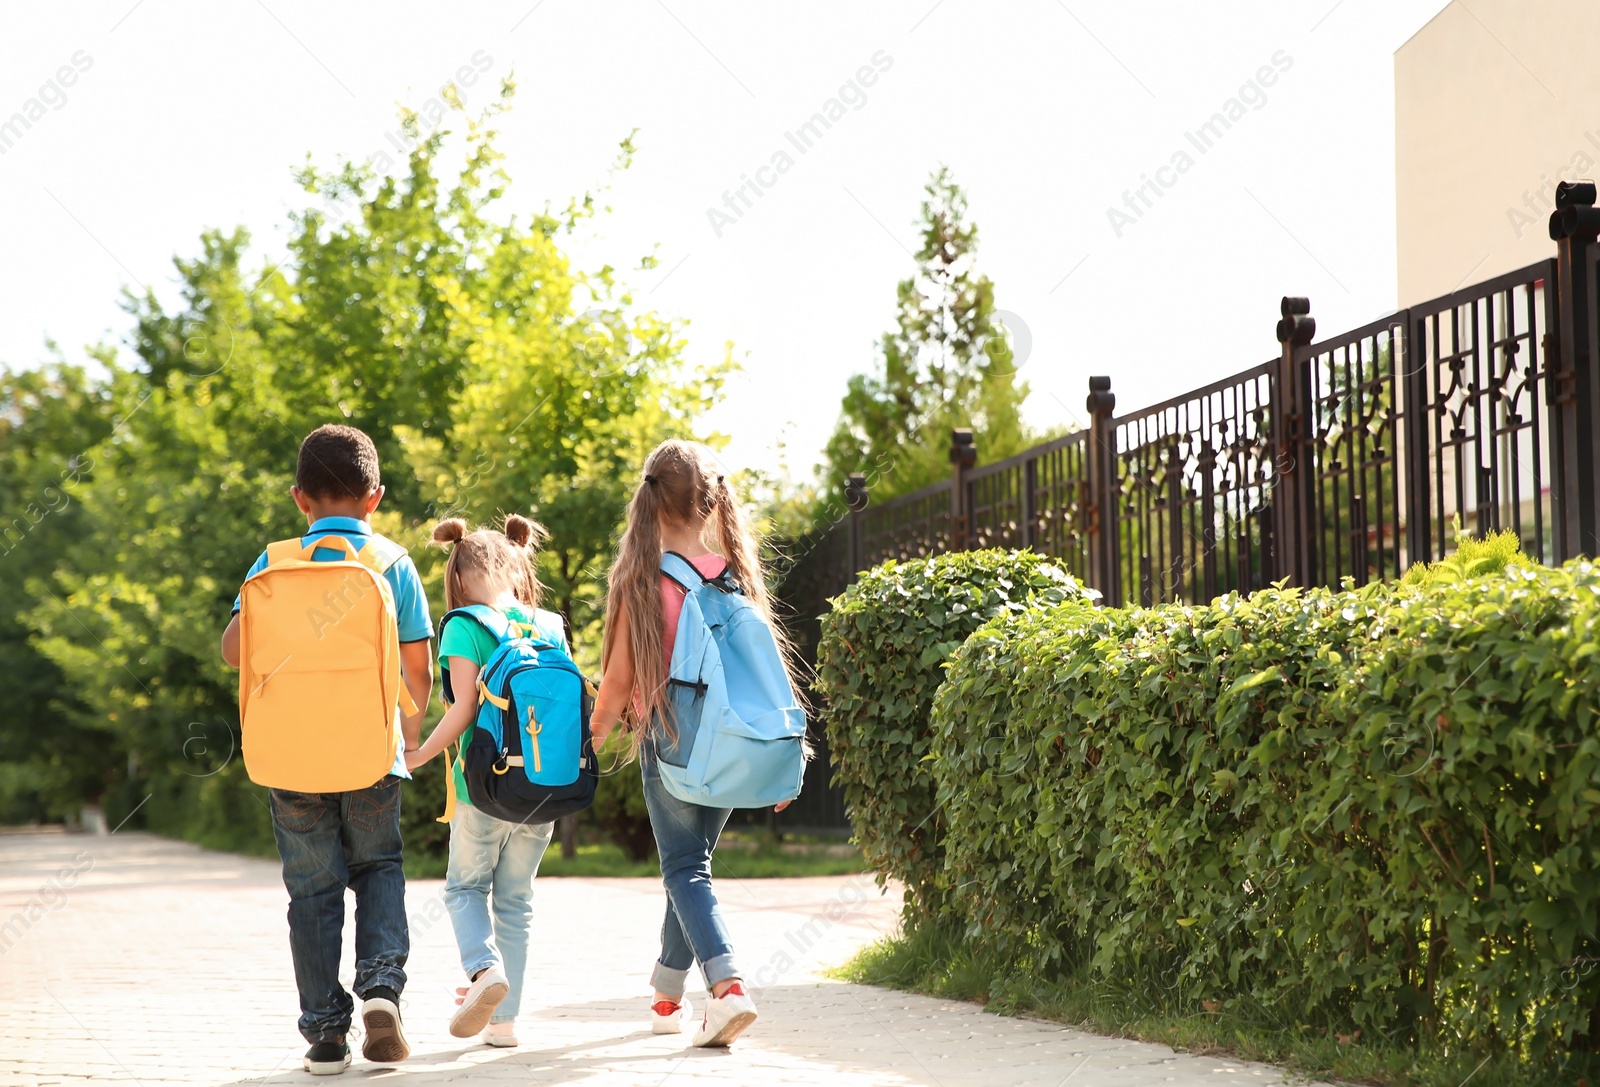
1572	193
855	493
1298	330
1580	221
963	449
1101	401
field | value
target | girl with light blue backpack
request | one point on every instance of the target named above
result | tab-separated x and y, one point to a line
697	669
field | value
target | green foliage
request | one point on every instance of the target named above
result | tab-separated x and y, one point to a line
48	419
1114	796
931	958
1374	806
521	382
949	362
564	391
1473	557
880	660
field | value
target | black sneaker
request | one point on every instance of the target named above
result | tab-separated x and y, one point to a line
327	1058
380	1018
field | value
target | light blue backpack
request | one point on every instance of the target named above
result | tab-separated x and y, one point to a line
738	736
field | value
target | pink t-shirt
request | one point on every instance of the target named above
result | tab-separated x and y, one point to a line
710	564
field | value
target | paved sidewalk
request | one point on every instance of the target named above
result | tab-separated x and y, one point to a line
132	959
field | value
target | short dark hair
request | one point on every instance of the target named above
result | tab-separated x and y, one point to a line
337	462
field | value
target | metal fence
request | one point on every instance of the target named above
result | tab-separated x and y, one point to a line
1349	457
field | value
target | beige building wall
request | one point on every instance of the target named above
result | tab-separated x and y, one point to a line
1495	101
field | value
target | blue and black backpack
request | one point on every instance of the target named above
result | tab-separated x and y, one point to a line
738	732
530	758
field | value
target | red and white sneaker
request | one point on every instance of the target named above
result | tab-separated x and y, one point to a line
668	1018
727	1017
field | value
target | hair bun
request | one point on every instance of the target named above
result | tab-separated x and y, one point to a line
523	532
449	530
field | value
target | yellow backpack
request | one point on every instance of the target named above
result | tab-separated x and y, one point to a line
319	667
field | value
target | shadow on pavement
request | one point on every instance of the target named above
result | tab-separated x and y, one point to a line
798	1040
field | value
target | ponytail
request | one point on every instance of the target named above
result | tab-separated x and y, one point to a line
527	537
634	589
738	545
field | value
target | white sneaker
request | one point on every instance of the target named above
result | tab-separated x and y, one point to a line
670	1022
500	1034
385	1042
727	1017
482	997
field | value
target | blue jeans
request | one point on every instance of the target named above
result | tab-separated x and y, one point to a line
491	855
693	930
330	842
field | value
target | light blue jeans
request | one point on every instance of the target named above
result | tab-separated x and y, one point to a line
693	930
492	865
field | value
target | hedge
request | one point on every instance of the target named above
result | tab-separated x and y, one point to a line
1374	807
880	659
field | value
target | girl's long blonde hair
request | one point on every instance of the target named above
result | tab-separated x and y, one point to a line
500	557
682	482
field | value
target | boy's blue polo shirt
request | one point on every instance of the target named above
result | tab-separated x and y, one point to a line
410	599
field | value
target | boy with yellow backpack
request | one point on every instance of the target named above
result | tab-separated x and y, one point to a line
330	633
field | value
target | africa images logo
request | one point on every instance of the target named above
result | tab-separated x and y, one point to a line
852	94
1137	201
53	94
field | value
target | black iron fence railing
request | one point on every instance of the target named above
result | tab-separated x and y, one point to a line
1350	457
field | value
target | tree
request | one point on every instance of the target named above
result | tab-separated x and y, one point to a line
50	419
491	375
947	363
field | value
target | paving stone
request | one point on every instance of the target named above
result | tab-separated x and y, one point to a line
133	959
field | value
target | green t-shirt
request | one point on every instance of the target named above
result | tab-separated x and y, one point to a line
463	636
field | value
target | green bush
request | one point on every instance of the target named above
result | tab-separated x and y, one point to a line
1467	870
1375	807
1111	814
880	660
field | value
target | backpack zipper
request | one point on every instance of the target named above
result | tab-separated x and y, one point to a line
534	728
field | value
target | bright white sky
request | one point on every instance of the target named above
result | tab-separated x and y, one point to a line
192	114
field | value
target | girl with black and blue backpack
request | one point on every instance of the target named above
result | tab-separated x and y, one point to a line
519	709
698	670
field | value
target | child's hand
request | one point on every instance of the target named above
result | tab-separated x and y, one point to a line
780	807
416	758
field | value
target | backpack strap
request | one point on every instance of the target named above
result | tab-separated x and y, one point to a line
280	551
449	785
486	617
377	554
380	553
490	619
681	572
550	626
687	576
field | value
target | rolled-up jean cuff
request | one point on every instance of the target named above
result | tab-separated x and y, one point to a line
667	981
720	969
488	962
